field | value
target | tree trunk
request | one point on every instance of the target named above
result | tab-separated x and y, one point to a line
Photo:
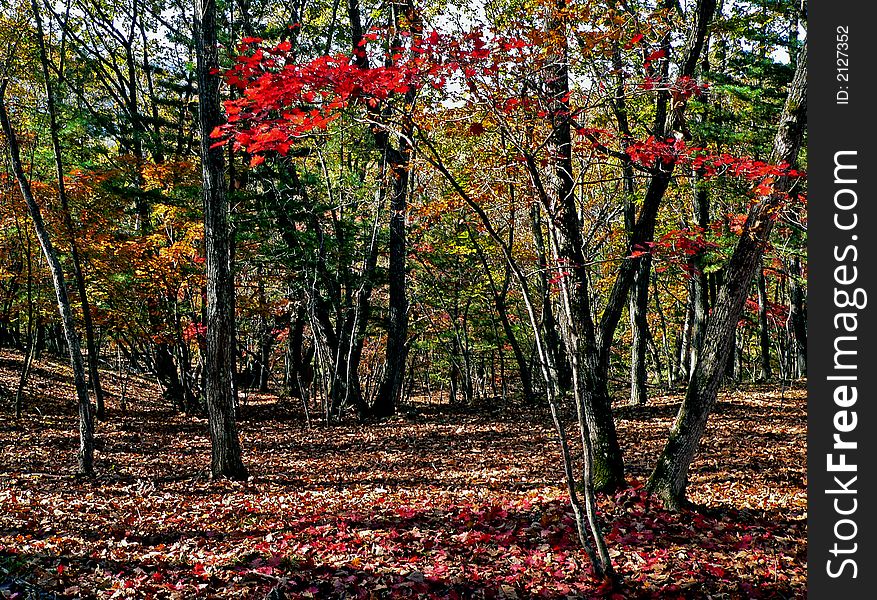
399	163
397	327
670	477
589	381
641	234
639	329
763	326
553	340
219	368
798	315
168	377
30	332
85	456
639	293
78	275
266	337
499	302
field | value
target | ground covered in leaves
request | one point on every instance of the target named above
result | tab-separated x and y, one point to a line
437	504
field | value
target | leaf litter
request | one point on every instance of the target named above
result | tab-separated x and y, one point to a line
434	504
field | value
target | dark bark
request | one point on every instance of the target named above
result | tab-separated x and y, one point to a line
299	369
397	323
220	367
608	463
399	163
670	477
589	382
798	316
666	122
639	330
85	456
362	312
165	370
266	338
763	325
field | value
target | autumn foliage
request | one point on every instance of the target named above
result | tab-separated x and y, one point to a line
458	239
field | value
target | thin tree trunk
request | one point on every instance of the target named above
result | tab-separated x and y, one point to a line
30	331
361	313
639	293
763	326
553	340
798	316
220	370
698	295
78	275
85	456
266	339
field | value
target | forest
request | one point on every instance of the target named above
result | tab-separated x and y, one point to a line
401	299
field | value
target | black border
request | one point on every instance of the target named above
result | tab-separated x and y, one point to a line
833	127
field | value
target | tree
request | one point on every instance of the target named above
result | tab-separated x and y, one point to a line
78	275
220	361
398	161
670	476
85	456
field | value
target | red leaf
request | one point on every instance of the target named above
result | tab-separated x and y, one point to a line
656	55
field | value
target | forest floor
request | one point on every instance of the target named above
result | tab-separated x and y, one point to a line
437	504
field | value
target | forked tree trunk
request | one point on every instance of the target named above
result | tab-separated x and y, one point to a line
670	477
589	381
85	456
220	365
398	162
608	467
